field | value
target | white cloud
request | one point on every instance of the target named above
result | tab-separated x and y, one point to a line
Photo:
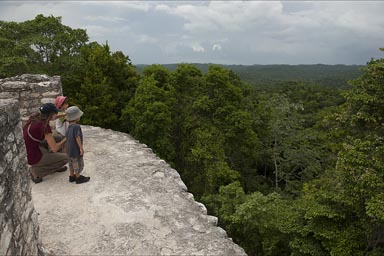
147	39
112	19
358	17
218	17
237	32
163	7
224	15
101	32
96	31
197	48
216	47
144	6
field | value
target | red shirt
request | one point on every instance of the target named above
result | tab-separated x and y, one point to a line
36	130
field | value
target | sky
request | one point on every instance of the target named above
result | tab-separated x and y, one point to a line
223	32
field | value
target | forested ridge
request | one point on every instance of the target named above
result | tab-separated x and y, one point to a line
290	167
267	75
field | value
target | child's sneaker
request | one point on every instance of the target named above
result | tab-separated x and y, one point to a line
72	178
82	179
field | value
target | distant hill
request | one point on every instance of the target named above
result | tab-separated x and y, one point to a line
261	75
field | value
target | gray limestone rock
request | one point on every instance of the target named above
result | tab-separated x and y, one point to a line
134	204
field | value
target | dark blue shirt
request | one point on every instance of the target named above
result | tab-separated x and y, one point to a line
73	131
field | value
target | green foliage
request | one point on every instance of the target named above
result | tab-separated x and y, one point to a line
102	85
187	81
15	52
214	123
253	220
51	39
207	169
201	120
365	102
37	45
312	98
264	76
240	138
160	74
99	81
336	208
296	152
148	115
342	210
338	212
96	100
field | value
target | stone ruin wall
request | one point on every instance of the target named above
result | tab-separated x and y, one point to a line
19	97
30	91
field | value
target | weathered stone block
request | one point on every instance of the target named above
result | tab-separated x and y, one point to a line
4	119
14	86
11	138
5	239
2	193
28	211
28	94
17	221
202	207
213	220
47	100
8	157
9	95
33	78
51	94
15	164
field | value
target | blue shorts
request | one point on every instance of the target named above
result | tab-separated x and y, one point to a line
76	164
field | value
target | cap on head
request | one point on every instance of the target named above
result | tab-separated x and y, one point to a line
48	108
59	101
73	113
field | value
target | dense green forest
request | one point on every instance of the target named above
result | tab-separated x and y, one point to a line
267	75
290	167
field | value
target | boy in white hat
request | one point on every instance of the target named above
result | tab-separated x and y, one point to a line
75	150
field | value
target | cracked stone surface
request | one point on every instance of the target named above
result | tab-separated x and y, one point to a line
134	204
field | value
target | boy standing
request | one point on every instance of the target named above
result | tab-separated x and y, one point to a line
75	149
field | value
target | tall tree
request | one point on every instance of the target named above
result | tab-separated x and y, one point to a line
16	55
37	45
102	85
341	212
187	81
148	115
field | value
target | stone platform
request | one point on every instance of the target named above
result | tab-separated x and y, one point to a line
134	204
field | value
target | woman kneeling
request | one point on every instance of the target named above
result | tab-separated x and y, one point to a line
43	160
